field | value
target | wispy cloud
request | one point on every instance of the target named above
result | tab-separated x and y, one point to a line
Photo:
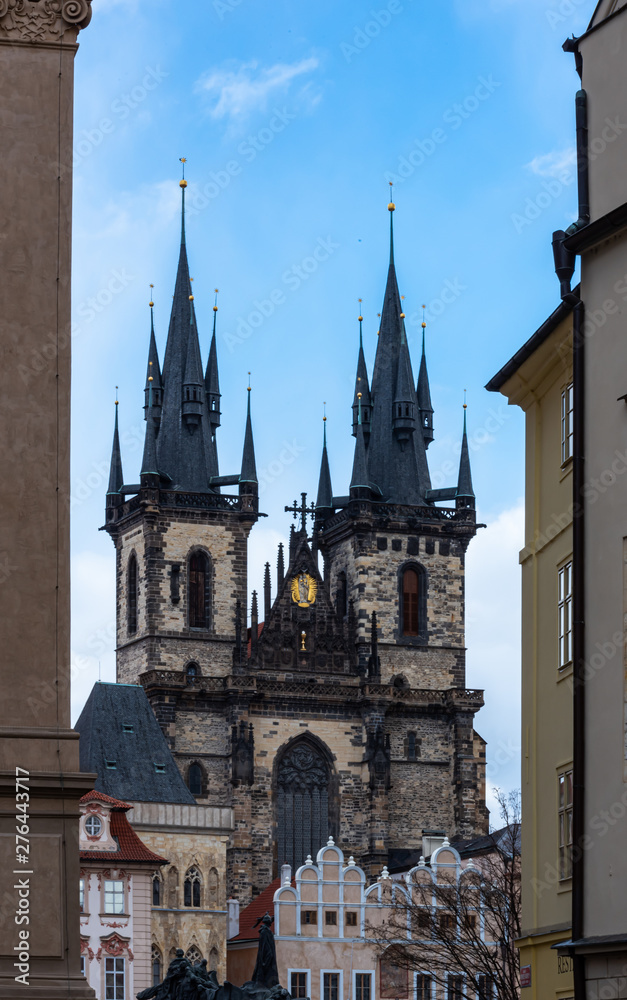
554	164
235	93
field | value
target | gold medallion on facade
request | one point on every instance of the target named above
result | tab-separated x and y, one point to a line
304	589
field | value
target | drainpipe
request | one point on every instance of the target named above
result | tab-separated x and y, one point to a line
564	268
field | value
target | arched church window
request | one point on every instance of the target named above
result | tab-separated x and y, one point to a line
414	602
191	887
157	889
303	787
342	595
157	965
132	593
193	955
198	590
194	779
212	888
191	673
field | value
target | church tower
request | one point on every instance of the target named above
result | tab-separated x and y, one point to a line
181	543
342	710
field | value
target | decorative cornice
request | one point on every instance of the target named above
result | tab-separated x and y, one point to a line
43	21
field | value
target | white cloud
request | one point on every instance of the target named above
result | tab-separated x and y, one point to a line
235	93
554	164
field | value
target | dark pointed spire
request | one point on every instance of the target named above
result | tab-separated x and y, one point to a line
249	467
149	460
193	401
267	593
423	392
212	380
324	502
116	477
397	470
154	370
362	386
280	568
254	627
465	496
359	480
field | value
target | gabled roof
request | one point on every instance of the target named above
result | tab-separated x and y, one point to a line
131	848
95	796
264	903
143	768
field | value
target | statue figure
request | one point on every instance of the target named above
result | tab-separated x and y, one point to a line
169	988
266	972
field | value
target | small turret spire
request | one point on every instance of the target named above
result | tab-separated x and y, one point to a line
324	502
154	369
359	478
116	477
423	392
149	460
249	467
465	496
212	381
391	210
267	593
362	386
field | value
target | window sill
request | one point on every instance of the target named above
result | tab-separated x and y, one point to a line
125	916
565	672
566	468
412	640
565	884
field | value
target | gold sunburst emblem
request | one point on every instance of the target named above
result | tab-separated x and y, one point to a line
304	589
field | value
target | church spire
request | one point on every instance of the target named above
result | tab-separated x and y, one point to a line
361	386
154	369
423	392
249	468
149	460
324	502
465	496
398	470
359	487
212	381
116	477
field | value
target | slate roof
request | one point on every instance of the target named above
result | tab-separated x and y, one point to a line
108	710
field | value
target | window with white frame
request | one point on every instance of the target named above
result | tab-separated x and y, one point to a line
455	987
565	822
565	614
299	983
485	988
567	423
114	896
331	985
81	895
363	986
114	978
93	826
424	986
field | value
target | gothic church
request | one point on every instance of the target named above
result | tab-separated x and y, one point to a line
342	709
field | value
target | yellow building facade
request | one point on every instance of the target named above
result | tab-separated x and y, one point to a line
539	379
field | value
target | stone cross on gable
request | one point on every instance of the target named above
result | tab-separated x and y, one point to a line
303	511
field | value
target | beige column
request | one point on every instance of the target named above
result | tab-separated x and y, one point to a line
39	874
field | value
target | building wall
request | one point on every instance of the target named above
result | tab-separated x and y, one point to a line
173	925
547	732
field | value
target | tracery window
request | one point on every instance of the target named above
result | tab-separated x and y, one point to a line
198	590
302	803
191	887
156	965
194	779
193	955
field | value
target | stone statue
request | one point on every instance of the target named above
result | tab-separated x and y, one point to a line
185	981
266	972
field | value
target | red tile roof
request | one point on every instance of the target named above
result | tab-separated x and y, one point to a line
258	908
95	796
131	847
249	645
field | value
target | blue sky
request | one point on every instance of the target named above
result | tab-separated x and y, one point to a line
293	117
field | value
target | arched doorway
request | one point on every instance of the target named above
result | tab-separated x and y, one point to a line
303	807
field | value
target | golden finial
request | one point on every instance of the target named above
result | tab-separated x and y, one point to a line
215	307
183	182
151	303
465	404
249	381
303	637
360	317
358	395
150	378
116	396
402	314
391	205
325	412
191	298
424	325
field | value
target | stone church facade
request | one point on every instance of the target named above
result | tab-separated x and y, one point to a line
341	709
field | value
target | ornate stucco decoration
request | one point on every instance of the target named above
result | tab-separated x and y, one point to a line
43	20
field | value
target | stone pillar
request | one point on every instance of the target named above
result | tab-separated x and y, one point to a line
38	42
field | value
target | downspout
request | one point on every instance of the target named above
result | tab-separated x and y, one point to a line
564	268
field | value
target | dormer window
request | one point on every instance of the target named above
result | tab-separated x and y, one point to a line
111	764
126	727
93	826
160	768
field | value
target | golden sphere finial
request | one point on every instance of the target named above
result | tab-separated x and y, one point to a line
191	298
402	315
360	318
358	395
183	183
